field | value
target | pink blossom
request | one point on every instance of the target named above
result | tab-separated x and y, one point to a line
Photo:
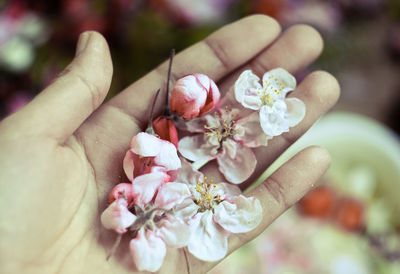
123	190
147	151
213	212
117	216
158	228
227	137
194	95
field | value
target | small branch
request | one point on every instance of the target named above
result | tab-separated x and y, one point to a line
171	58
150	129
115	246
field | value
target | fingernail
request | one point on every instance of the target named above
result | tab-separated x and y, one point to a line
82	43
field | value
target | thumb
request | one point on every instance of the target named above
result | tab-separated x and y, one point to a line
63	106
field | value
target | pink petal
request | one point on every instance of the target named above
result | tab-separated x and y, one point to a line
246	88
250	132
117	216
171	194
189	95
240	214
236	161
122	190
188	175
296	110
168	156
146	145
209	241
227	191
148	251
196	148
128	164
174	232
213	97
145	186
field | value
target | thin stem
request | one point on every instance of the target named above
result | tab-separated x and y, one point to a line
114	248
150	129
171	58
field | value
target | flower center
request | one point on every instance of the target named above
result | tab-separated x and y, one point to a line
271	89
224	129
207	199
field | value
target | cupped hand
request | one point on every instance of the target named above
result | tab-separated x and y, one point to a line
62	153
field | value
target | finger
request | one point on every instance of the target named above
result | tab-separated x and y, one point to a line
62	107
284	188
294	50
216	56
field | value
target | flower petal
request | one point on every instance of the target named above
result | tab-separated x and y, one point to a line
175	232
117	216
188	175
246	88
146	145
145	186
209	241
122	190
128	164
226	191
197	148
168	156
240	214
272	119
249	131
282	79
148	251
238	166
296	110
171	194
186	210
166	130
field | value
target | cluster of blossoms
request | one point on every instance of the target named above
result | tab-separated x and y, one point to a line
168	203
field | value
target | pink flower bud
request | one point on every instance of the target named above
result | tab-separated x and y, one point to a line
166	130
194	95
123	190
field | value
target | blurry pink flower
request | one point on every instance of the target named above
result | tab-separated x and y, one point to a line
117	216
228	138
147	151
213	212
194	95
276	112
17	101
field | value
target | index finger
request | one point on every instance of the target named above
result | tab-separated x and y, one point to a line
216	56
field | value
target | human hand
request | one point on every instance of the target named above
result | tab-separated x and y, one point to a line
62	153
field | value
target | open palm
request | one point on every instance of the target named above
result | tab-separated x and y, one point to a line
61	154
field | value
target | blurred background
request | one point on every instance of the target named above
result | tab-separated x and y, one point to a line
351	224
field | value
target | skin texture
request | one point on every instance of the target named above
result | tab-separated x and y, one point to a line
61	154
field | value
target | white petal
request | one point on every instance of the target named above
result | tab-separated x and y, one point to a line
168	156
209	241
146	145
236	168
117	216
148	251
281	76
175	232
296	110
273	120
240	214
246	88
171	194
226	191
186	210
197	148
250	131
188	175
